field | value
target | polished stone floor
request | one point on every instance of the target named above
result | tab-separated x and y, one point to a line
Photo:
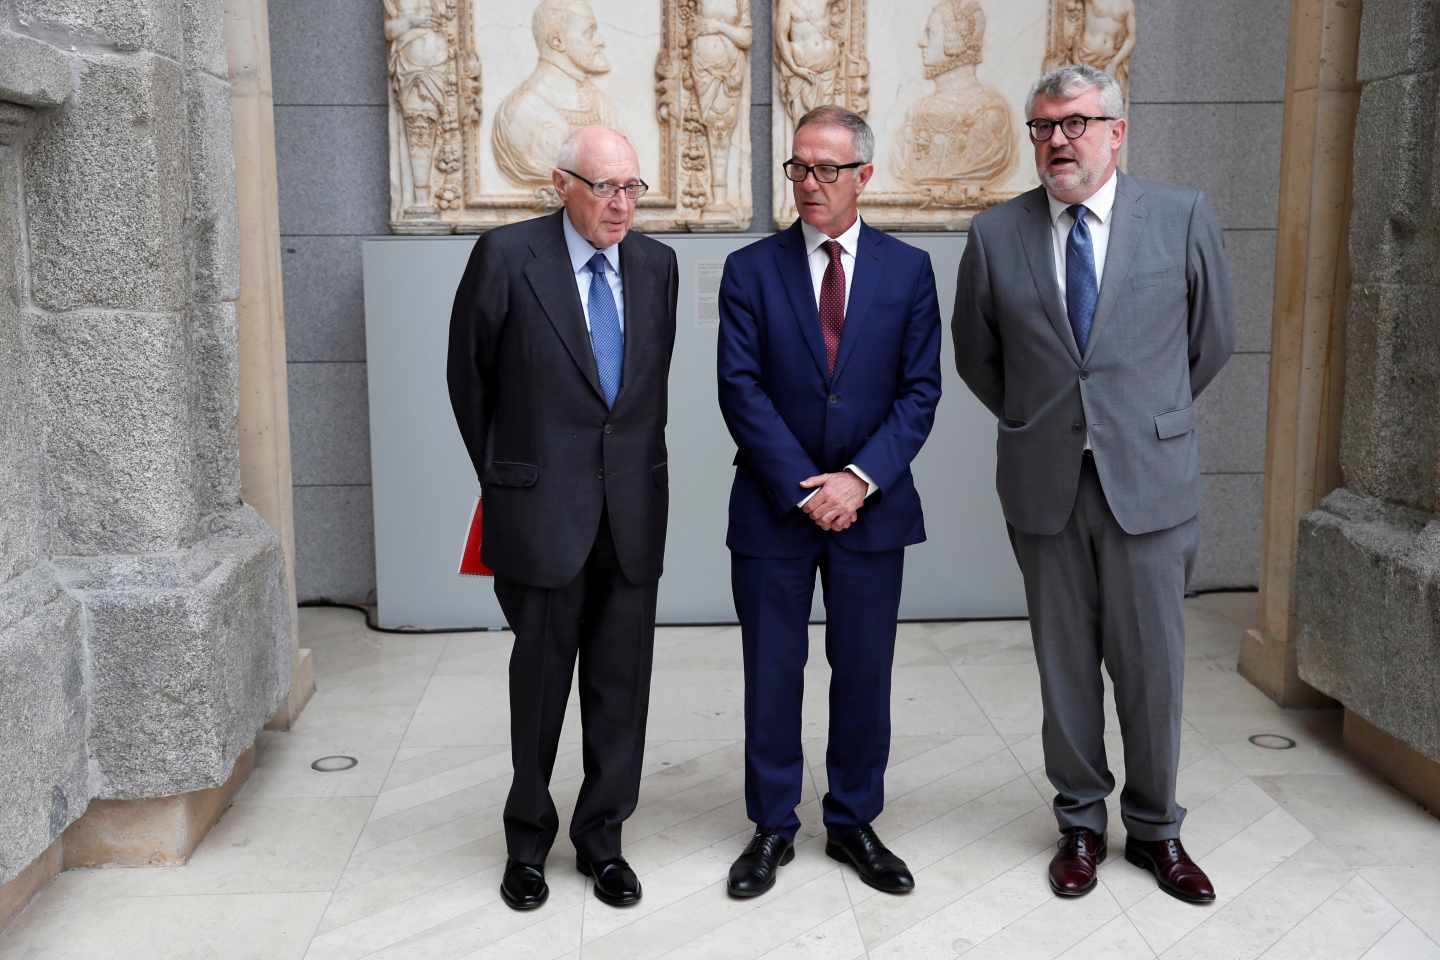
400	857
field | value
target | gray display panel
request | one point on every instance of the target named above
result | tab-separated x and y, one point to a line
424	485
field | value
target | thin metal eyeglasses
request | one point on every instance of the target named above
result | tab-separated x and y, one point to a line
1072	126
605	190
824	172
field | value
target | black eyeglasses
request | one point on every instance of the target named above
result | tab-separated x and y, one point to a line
605	190
1072	126
824	172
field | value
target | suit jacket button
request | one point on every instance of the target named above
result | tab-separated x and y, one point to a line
1077	426
1084	374
609	430
834	399
599	474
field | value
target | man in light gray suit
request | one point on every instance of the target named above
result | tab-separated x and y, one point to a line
1089	314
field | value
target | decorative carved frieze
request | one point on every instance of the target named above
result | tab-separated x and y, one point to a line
482	96
943	85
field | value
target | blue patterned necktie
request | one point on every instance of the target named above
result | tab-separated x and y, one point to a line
605	337
1081	290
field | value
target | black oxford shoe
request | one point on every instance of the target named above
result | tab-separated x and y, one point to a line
877	866
615	883
754	871
523	887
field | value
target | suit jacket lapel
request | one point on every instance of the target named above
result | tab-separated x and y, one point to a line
1037	235
1127	216
794	267
638	287
862	291
552	278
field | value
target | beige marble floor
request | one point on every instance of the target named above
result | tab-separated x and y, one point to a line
399	858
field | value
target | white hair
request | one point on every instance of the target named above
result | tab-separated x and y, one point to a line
1074	79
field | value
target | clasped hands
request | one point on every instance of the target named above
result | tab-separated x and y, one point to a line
838	500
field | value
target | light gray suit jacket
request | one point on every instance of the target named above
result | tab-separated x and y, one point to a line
1163	327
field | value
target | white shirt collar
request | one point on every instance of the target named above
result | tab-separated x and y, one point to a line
1099	203
581	249
849	240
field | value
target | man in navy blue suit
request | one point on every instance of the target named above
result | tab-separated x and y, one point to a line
829	369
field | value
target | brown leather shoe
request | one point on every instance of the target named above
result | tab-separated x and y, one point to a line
1176	873
1072	869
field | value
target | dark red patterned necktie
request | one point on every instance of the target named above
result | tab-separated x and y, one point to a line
832	303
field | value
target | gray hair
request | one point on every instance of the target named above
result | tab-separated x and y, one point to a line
860	132
1074	79
570	149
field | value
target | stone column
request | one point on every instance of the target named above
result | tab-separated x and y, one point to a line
1312	281
1367	579
144	617
264	425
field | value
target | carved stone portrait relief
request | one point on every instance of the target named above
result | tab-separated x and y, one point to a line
483	94
943	84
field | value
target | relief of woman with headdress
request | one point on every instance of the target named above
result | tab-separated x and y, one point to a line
962	133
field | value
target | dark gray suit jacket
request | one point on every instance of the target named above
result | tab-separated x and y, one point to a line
1163	327
523	383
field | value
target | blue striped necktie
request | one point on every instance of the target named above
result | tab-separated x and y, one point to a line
1081	290
605	337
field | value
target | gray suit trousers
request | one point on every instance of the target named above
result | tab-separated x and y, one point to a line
1100	595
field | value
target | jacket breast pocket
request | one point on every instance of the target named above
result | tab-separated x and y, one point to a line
1176	423
1145	279
510	473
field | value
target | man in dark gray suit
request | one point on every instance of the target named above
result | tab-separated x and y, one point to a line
1090	313
560	343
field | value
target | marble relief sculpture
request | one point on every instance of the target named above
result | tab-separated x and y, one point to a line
467	155
949	122
1100	33
419	61
960	137
719	65
558	96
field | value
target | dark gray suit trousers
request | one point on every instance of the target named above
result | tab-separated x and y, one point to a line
1097	595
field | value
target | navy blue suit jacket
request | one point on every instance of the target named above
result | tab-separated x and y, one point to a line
791	419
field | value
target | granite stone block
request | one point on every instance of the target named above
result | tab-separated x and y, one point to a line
43	772
214	225
1233	51
764	168
215	389
1398	36
334	544
333	169
1229	150
1232	508
328	52
119	426
762	52
329	423
190	656
1395	231
324	298
204	33
21	510
126	25
1252	263
32	72
1390	430
1367	594
106	191
1230	416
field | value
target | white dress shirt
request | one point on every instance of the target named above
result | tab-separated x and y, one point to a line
1098	206
819	261
580	253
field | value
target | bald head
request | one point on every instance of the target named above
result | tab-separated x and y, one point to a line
598	154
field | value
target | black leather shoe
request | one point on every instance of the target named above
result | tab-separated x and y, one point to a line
615	883
754	871
877	866
524	886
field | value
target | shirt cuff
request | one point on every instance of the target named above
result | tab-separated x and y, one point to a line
863	476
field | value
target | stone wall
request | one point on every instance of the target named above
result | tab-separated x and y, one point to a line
144	635
1208	91
1368	566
